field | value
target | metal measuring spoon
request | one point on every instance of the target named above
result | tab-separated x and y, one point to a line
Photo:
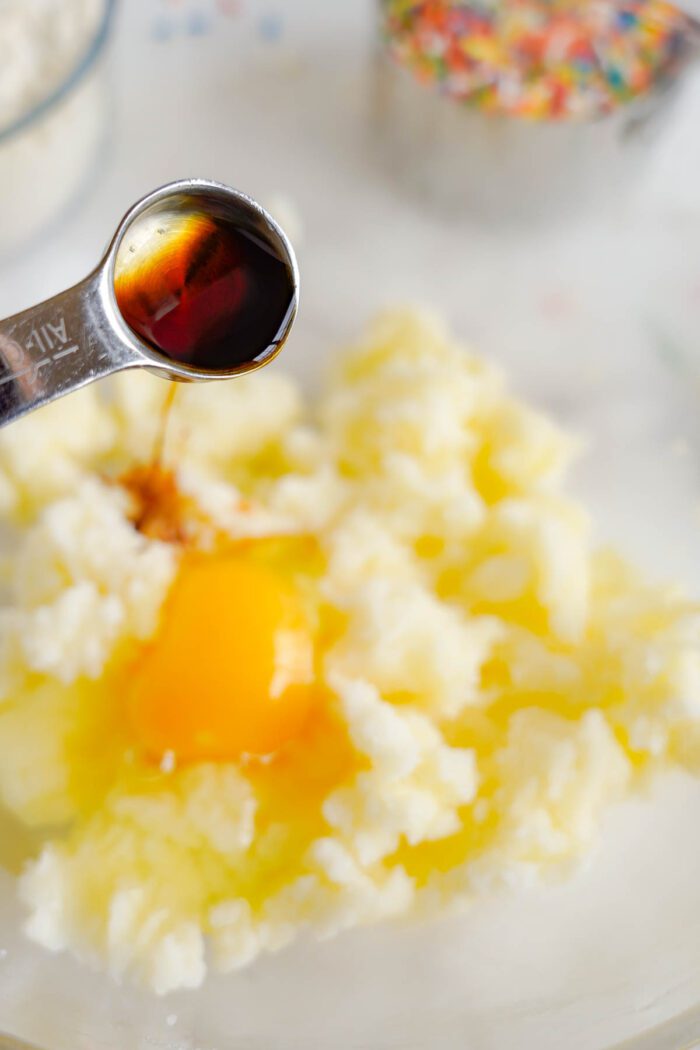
82	334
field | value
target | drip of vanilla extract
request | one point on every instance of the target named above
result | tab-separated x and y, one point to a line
202	288
162	429
159	508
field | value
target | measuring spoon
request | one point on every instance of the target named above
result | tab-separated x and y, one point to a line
199	283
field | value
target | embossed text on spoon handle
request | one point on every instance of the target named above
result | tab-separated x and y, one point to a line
53	348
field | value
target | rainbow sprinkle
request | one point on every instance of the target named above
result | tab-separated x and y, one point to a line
538	59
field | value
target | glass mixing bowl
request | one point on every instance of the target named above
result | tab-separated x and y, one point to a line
47	154
586	963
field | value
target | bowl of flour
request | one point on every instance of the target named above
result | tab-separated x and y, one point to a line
51	108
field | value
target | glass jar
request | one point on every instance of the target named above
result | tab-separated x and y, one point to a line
483	151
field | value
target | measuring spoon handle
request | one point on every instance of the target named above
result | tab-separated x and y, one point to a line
54	348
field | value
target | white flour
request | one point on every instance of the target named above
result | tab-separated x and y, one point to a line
41	167
41	41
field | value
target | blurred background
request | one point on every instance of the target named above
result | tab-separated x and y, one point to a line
573	257
567	249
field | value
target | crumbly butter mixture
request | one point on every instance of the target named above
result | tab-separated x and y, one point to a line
489	683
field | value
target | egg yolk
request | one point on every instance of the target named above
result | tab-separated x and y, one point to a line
230	670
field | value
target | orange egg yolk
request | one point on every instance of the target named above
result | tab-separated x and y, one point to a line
230	670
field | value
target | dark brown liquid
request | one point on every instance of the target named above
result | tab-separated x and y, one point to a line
159	509
162	431
204	291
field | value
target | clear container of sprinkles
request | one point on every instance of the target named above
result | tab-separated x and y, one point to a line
526	109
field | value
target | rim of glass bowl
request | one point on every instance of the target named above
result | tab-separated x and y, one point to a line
76	75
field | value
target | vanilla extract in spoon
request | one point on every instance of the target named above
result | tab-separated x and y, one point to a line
201	288
199	283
